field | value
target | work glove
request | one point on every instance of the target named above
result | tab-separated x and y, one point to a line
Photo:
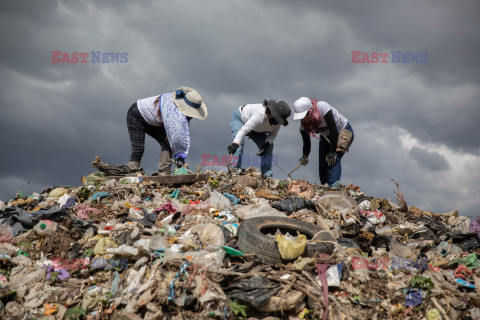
331	158
232	148
180	162
304	160
263	149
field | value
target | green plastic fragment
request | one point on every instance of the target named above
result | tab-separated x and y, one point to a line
181	170
231	251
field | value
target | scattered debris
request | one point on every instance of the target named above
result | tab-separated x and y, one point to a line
220	245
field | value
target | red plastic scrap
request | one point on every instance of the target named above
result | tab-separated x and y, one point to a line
462	272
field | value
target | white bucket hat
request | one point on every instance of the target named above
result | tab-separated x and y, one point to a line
190	103
301	107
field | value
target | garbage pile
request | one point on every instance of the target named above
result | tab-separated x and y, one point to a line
233	246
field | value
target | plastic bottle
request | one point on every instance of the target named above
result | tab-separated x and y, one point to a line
45	227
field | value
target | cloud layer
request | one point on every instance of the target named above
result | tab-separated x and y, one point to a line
416	123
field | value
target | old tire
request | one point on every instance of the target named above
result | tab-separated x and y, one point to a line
253	239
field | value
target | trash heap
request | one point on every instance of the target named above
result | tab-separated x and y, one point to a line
232	246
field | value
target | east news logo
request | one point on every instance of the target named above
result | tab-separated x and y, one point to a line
396	57
94	56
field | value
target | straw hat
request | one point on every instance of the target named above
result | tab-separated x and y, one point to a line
190	103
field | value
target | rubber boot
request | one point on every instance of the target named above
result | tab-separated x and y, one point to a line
164	163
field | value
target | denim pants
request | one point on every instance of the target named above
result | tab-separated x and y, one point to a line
328	174
259	138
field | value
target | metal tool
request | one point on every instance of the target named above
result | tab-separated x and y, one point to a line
282	170
289	175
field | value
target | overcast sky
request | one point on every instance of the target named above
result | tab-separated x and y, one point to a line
414	122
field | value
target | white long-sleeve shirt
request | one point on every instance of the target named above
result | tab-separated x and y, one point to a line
149	111
255	119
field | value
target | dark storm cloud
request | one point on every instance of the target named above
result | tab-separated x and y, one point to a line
55	118
429	160
443	29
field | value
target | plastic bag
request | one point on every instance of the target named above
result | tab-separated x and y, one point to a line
461	224
291	247
445	248
98	196
256	291
45	227
260	209
375	217
6	233
201	207
415	297
365	205
66	201
102	245
475	225
219	201
434	314
124	251
292	204
232	198
469	261
94	178
57	192
212	235
334	275
180	171
336	202
82	210
168	207
286	302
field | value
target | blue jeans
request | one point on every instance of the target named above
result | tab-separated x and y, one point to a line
259	138
328	174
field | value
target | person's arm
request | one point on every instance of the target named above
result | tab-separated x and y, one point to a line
253	122
332	128
306	143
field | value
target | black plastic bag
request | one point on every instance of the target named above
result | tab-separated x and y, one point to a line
466	241
21	220
292	204
147	221
256	291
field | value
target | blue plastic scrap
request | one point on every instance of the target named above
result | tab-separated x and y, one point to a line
465	283
415	297
174	195
232	198
183	269
98	196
